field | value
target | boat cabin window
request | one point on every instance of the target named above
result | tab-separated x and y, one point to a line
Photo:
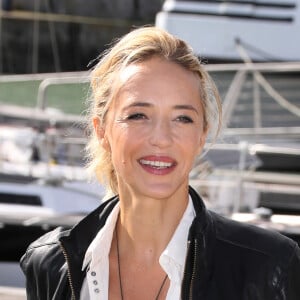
9	198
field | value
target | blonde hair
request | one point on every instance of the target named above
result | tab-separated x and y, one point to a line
135	47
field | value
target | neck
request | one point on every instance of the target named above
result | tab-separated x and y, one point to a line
146	225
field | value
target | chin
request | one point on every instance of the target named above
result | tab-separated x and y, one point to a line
160	191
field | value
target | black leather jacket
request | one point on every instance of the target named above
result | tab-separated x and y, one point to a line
226	260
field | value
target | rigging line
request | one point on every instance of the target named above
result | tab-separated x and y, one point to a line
53	39
295	110
35	39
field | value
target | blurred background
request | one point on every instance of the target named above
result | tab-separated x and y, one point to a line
47	47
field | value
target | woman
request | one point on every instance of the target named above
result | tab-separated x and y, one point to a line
153	105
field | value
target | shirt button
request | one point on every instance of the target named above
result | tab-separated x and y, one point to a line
96	291
95	282
93	273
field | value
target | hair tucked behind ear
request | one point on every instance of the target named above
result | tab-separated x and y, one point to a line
137	46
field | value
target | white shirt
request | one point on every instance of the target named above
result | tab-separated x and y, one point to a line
172	259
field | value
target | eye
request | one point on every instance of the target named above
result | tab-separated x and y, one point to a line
137	116
184	119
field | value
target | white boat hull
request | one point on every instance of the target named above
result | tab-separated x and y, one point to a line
212	29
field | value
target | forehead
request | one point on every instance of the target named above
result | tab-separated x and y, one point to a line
155	66
157	75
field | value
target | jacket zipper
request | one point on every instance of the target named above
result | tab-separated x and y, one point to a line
194	270
190	293
73	297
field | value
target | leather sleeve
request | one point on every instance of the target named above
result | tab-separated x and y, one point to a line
31	281
43	266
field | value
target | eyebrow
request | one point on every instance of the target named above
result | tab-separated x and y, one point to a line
138	104
178	107
186	107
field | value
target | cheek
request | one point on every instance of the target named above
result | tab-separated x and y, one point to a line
194	147
121	142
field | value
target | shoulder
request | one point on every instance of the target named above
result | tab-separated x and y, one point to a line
48	250
252	239
44	249
262	258
45	268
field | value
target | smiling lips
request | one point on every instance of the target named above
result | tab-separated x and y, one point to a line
158	165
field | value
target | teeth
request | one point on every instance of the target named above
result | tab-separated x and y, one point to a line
156	164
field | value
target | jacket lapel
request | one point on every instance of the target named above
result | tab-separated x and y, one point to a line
201	245
75	244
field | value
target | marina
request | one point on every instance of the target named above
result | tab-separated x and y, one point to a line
250	174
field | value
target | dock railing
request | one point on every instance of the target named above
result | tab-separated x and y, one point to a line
251	85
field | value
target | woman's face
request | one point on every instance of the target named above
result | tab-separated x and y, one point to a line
154	128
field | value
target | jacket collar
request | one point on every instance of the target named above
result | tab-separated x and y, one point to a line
201	245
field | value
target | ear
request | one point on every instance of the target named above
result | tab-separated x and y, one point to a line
100	132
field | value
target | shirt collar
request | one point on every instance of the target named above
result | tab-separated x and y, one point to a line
100	246
173	257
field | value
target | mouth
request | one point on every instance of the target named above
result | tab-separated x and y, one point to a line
157	164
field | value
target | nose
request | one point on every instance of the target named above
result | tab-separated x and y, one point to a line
161	134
